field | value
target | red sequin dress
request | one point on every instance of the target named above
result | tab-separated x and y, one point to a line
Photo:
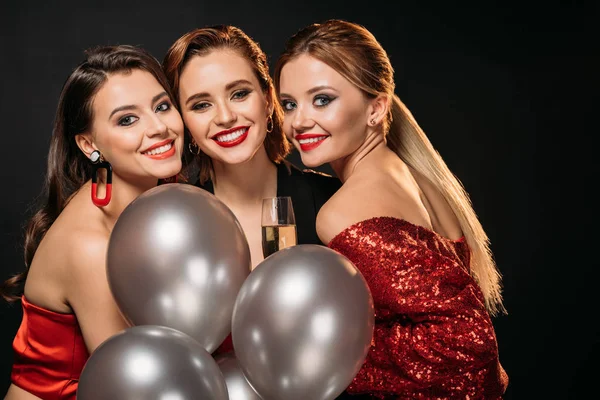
433	337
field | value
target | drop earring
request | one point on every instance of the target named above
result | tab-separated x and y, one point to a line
99	163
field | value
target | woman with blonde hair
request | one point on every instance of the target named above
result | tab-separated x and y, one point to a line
401	216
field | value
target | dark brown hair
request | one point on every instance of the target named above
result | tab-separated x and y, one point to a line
201	42
68	167
355	53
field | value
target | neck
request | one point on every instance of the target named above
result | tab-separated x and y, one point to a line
373	146
248	182
124	192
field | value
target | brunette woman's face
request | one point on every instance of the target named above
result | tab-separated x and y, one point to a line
326	115
223	106
136	128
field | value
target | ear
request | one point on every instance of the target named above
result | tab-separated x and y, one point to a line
85	143
378	109
270	102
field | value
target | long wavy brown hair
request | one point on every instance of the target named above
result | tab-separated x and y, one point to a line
201	42
356	54
68	168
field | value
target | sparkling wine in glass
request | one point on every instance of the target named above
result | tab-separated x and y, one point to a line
278	225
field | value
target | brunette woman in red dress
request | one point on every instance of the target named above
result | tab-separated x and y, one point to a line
116	133
401	216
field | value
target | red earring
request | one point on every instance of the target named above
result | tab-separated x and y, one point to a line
99	163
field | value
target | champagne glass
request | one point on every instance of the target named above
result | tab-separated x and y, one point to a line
278	225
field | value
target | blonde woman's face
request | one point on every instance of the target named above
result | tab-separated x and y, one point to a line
223	106
325	114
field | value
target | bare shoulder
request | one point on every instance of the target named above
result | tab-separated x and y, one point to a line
87	249
355	201
82	233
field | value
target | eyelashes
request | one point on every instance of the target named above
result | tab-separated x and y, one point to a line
319	101
130	119
238	95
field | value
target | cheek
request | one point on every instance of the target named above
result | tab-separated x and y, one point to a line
117	142
175	123
287	125
343	119
255	110
197	124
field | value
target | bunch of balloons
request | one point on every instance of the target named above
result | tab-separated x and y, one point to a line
178	266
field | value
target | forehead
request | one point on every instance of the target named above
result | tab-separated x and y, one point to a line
214	70
305	71
137	87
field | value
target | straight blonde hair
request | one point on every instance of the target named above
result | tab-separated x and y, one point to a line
354	52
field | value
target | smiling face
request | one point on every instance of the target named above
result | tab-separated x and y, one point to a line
325	114
223	106
136	128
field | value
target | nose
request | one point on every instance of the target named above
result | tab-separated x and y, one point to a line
300	121
225	115
156	127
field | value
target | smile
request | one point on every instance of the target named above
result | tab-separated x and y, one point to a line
310	141
231	137
161	150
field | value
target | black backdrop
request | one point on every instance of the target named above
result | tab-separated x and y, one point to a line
497	89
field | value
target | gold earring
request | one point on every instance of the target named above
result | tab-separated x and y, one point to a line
372	122
269	119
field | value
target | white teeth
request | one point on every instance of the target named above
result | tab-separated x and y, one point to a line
312	140
159	150
231	136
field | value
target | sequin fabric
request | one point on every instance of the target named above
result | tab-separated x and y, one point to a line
433	337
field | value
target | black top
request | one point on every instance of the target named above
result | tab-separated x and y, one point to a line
308	189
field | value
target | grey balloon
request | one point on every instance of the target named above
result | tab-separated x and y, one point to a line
303	324
238	387
151	362
177	257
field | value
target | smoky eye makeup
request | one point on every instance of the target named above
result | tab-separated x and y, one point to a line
322	100
200	106
288	105
240	94
127	120
164	106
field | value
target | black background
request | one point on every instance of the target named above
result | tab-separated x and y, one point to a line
499	89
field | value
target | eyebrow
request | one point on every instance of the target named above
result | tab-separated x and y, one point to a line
311	90
132	107
229	86
319	88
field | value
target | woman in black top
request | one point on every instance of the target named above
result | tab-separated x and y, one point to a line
236	148
308	189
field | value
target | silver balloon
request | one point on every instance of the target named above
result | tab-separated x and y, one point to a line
238	387
177	257
151	362
303	324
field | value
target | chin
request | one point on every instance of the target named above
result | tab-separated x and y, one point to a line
168	171
311	161
239	156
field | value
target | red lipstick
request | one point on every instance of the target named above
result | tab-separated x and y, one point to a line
234	142
161	156
307	146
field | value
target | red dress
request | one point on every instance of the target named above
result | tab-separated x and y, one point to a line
433	336
225	347
49	353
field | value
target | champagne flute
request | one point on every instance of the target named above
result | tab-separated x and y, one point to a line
278	225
